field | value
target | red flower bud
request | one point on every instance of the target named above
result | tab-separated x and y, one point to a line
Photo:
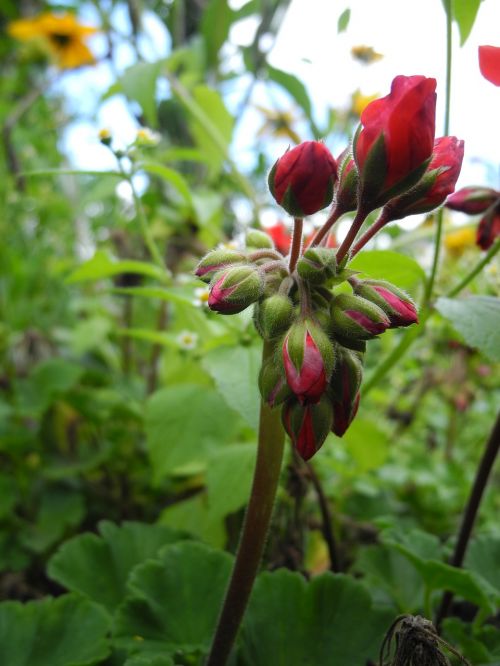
358	318
397	305
346	191
344	388
234	289
308	360
489	63
489	228
473	200
302	179
396	139
435	185
307	425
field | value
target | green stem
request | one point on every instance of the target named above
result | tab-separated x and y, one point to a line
380	222
439	220
333	217
477	269
254	532
351	234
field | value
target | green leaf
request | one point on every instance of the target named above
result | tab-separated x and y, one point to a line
329	620
235	371
149	660
464	12
174	601
400	269
343	21
215	24
171	176
98	566
68	631
369	457
8	495
296	89
194	517
211	107
483	556
170	295
229	478
477	319
103	266
138	82
183	425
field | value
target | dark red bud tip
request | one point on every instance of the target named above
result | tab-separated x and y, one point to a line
373	327
405	312
473	200
307	425
302	179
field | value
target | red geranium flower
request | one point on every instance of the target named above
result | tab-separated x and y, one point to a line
489	63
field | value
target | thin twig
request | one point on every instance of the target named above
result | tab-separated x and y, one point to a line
326	517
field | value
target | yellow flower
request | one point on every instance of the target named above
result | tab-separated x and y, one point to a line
365	54
360	101
61	35
278	123
456	242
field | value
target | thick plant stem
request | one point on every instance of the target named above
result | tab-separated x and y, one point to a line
296	242
351	234
471	510
254	532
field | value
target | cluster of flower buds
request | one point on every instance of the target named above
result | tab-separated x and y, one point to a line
317	332
483	201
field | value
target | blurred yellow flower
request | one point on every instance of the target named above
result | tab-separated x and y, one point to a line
278	123
61	34
365	54
456	242
360	101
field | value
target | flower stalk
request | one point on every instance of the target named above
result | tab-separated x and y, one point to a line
255	529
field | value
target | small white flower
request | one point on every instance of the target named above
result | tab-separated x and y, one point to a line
201	295
187	340
147	137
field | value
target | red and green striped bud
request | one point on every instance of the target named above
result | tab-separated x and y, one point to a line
473	200
302	179
317	265
346	192
307	425
234	289
397	305
344	389
308	359
217	260
259	240
272	383
357	318
273	316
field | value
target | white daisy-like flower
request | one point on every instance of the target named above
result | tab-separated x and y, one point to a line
187	340
201	295
147	137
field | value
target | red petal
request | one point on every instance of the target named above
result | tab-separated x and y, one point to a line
489	63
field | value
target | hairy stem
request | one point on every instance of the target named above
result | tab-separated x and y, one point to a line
296	242
471	510
322	233
380	222
254	532
351	234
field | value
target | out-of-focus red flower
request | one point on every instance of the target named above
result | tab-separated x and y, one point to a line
472	200
397	134
282	237
302	179
435	185
488	229
489	63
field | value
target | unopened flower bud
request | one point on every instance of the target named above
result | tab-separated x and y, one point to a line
344	389
302	179
307	425
488	229
397	305
272	383
105	137
308	359
259	240
215	261
273	315
317	265
355	317
473	200
346	192
234	289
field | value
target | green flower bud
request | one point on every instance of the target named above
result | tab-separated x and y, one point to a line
272	383
259	240
234	289
215	261
394	302
317	265
273	315
356	318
